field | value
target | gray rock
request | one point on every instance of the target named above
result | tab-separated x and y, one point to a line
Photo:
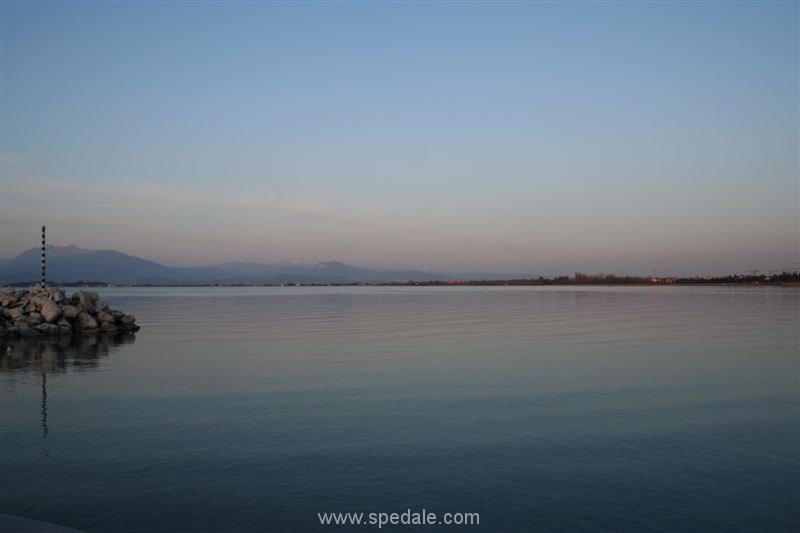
100	305
50	311
64	330
15	313
47	329
129	327
27	331
104	316
34	318
86	299
70	311
79	298
86	321
127	320
108	327
57	295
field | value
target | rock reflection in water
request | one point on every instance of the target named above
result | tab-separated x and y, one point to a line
41	356
58	354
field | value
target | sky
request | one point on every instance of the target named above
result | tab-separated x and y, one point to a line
521	137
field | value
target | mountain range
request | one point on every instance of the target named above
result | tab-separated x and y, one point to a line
71	264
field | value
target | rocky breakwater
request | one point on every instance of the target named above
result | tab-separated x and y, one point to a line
39	311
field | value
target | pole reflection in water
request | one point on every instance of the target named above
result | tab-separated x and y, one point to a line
56	355
44	412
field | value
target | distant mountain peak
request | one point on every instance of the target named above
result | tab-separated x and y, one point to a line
67	249
323	265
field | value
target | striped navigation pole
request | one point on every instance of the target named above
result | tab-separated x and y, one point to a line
43	278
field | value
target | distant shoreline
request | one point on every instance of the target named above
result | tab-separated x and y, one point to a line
479	283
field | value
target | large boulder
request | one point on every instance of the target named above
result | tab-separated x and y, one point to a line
15	312
70	311
8	299
86	321
85	299
104	316
50	311
56	295
128	323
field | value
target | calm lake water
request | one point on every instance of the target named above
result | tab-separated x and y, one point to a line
541	409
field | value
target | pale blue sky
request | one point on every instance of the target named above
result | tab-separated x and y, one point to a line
510	137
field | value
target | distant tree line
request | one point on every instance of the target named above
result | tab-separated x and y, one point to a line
611	279
775	279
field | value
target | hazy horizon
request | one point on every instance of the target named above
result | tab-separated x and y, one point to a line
475	137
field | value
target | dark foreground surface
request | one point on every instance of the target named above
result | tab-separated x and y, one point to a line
17	524
539	409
